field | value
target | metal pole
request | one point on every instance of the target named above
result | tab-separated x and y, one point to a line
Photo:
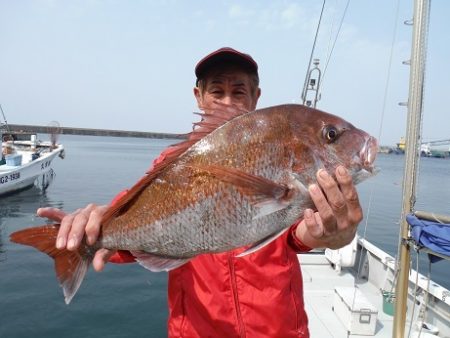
412	154
305	84
4	118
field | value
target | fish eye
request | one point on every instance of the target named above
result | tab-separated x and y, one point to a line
330	133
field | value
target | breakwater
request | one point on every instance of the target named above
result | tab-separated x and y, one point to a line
91	132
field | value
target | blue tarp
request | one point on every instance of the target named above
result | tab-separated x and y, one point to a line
432	235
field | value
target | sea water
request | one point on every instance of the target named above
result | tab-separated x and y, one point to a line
127	300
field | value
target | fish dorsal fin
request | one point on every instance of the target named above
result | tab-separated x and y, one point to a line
212	117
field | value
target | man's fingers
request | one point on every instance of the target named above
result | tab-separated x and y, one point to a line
313	223
51	213
326	213
350	194
336	199
78	224
338	210
63	232
101	257
94	223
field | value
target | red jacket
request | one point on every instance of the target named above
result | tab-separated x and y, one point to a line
220	295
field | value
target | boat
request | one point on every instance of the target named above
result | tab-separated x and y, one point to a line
439	148
26	161
360	290
401	146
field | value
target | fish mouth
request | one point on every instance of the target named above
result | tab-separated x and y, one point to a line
368	154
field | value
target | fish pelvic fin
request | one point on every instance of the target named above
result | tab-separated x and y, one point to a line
262	243
156	263
70	266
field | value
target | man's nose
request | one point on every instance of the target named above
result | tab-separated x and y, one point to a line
227	99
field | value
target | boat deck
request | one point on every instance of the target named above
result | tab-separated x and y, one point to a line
320	280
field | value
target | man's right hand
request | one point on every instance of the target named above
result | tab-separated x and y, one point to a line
75	226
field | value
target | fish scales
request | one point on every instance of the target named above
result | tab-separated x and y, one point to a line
218	209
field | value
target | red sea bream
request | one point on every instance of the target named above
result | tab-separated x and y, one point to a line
239	180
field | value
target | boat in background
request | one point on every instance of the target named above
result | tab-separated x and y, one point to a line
439	148
26	161
360	290
436	148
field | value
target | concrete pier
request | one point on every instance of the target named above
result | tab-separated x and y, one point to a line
92	132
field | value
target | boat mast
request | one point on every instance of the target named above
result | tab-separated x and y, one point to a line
412	155
4	119
313	84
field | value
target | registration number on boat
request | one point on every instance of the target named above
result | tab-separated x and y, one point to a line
10	177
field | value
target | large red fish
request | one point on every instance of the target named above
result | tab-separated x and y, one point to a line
239	180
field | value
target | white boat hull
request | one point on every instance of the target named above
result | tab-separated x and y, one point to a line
15	178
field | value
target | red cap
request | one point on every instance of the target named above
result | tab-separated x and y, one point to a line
222	55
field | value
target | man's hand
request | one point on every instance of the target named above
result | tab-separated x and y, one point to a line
338	212
75	225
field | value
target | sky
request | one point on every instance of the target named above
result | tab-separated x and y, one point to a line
129	65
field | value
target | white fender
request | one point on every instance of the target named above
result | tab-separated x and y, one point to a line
343	257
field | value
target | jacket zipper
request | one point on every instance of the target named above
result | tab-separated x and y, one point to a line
235	296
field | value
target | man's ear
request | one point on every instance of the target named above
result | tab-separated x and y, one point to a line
198	96
255	102
258	93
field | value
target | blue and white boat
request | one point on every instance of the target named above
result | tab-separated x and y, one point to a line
26	161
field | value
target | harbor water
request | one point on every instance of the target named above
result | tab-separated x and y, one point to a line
127	300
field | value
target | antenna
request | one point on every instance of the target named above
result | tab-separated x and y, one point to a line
4	119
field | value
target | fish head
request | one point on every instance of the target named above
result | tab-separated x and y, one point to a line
332	142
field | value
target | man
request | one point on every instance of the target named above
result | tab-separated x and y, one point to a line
220	295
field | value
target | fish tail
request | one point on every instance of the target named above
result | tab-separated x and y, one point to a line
70	266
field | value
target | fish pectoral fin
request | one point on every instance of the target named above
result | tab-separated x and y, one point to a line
259	188
157	263
266	195
262	243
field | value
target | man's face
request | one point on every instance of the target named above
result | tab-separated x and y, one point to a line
230	87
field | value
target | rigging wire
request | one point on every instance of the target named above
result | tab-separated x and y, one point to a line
416	287
328	53
388	78
383	110
334	43
388	75
305	84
